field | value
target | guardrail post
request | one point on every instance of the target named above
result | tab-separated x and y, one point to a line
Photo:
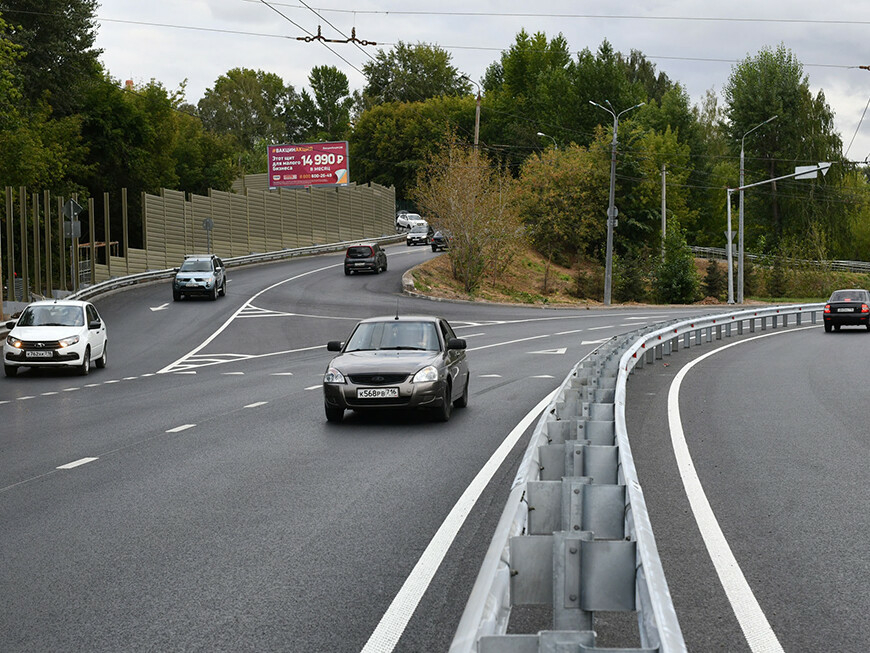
752	325
739	327
718	332
764	323
675	343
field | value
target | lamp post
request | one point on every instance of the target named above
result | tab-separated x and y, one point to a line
611	208
476	112
555	146
740	217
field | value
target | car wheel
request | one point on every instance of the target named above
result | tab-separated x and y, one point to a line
214	293
102	360
223	290
462	402
85	367
346	272
827	328
385	269
377	269
442	413
176	296
10	370
334	414
434	249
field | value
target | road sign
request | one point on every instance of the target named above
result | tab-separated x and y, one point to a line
72	229
71	209
811	172
208	224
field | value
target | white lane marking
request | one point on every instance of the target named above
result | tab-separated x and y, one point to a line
647	317
4	402
610	326
490	376
232	317
149	374
77	463
473	335
114	381
91	385
543	376
594	342
314	387
396	618
162	307
559	350
130	378
234	373
25	398
256	404
567	333
508	342
186	372
179	429
282	374
48	394
753	622
70	389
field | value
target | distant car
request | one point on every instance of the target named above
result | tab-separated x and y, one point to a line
419	235
847	307
397	362
440	240
56	334
203	275
406	221
365	256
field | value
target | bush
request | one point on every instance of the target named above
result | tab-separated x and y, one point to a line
675	279
590	285
630	277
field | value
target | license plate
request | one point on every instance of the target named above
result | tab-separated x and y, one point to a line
377	393
359	264
845	310
190	284
38	354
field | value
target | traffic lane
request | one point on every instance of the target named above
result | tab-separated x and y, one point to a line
775	419
266	512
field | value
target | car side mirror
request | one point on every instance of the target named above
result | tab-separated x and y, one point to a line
11	325
93	325
333	345
456	343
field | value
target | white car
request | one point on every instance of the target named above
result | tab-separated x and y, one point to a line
407	221
56	333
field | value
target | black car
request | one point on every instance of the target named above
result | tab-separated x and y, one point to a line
440	240
203	275
849	307
419	235
397	362
365	256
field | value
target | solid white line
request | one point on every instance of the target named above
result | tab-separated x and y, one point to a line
258	403
508	342
179	429
314	387
76	463
396	618
753	622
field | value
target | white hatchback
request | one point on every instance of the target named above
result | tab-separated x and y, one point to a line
56	334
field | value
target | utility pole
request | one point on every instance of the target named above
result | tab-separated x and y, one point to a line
476	112
611	207
664	211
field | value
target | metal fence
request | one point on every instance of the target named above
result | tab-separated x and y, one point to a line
720	253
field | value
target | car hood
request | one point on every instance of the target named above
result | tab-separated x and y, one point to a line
389	361
194	275
45	332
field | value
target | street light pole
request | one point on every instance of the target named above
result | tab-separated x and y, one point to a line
555	146
611	208
476	112
740	217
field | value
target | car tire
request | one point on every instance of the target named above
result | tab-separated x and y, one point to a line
385	269
827	328
85	367
223	290
334	414
102	360
442	413
10	370
462	402
176	296
434	249
346	272
214	293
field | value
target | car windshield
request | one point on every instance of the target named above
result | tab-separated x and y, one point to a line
56	315
194	265
420	229
394	335
848	296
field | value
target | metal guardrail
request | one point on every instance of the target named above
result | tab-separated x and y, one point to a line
575	533
250	259
720	253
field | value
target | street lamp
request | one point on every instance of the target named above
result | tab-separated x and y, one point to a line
556	147
611	208
476	113
740	218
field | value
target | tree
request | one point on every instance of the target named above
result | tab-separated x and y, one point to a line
675	279
57	40
464	192
251	105
326	116
411	73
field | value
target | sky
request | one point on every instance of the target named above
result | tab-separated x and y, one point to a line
696	43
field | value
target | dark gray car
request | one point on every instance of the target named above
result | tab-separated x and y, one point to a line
397	362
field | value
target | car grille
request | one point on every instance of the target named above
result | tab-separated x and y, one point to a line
40	344
377	379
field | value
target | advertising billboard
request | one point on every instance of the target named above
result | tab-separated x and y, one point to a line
307	164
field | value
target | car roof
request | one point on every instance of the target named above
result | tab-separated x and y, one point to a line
59	302
402	318
361	245
199	257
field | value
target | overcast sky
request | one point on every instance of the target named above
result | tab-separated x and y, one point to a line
695	43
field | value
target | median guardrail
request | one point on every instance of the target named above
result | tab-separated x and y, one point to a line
575	534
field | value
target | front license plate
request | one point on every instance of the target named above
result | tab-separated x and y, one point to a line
845	310
377	393
38	354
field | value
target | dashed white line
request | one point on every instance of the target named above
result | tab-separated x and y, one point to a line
233	373
566	333
25	397
70	389
490	376
543	376
112	381
48	394
282	374
191	372
77	463
257	403
4	402
609	326
130	378
179	429
314	387
91	385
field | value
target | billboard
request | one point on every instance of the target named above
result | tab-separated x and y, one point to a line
307	164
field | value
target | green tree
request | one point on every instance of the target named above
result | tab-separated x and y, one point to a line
675	279
251	105
714	279
410	73
326	116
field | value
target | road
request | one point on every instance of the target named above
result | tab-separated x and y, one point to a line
191	496
776	430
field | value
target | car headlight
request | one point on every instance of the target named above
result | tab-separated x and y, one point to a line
68	342
333	376
426	375
13	342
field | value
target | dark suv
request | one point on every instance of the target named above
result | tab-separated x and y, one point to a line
365	256
200	275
